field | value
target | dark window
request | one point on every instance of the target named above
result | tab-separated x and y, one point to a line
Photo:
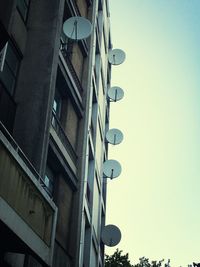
7	109
57	109
49	180
57	104
9	68
4	36
22	6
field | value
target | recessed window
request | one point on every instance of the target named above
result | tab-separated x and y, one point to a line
9	69
65	117
22	6
49	180
57	103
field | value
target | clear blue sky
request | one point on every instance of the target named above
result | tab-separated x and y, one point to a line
156	199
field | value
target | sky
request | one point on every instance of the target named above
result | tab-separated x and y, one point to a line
156	200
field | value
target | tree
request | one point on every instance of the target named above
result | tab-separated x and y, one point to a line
144	262
119	260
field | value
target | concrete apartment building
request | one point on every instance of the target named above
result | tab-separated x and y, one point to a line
54	114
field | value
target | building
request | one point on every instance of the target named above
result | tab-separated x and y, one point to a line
54	114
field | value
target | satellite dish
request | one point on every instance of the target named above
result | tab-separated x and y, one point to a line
111	235
114	136
115	93
77	28
116	56
111	168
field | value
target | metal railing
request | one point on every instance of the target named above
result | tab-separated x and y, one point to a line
66	55
21	154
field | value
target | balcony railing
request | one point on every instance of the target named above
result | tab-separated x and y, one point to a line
66	55
24	205
63	138
23	157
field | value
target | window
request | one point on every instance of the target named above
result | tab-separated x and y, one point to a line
2	57
99	147
96	205
71	124
22	6
101	98
9	69
57	103
49	180
4	36
65	116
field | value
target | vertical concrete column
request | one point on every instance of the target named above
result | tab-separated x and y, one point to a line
36	81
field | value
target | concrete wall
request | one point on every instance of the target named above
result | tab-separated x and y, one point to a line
36	81
21	194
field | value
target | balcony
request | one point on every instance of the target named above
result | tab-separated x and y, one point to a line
66	61
63	138
26	210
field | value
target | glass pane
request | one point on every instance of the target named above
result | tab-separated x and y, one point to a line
22	8
99	147
96	202
49	179
101	99
8	79
11	59
57	104
48	183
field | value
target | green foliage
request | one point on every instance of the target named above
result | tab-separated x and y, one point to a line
119	260
144	262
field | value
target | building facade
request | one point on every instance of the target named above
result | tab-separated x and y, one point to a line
54	114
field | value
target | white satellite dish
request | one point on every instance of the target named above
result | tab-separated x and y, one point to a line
77	28
114	136
116	56
111	168
111	235
115	93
